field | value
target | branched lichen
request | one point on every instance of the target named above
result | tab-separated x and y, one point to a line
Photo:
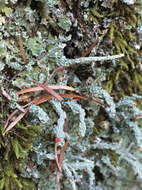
76	108
91	138
59	130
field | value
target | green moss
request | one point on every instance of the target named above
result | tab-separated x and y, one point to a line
121	32
14	154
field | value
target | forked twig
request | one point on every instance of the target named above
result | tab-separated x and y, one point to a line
15	121
10	117
50	91
44	98
39	88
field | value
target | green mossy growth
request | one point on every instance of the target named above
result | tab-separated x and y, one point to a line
14	150
122	28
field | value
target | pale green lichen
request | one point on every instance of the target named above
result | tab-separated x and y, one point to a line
65	23
1	66
59	129
103	141
40	113
77	109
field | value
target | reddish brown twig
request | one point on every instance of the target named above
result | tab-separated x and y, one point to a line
50	91
59	161
12	124
22	49
62	153
90	48
10	117
57	158
44	98
55	71
25	97
5	94
39	88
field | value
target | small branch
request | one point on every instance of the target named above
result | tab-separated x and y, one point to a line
22	49
92	59
90	48
57	159
50	91
55	71
13	123
61	158
5	94
10	117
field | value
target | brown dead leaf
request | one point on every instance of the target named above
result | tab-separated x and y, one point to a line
44	98
62	153
25	97
15	121
39	88
5	94
10	117
57	159
50	91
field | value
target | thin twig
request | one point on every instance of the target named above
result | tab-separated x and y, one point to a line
22	49
56	157
90	48
24	59
62	153
55	71
60	162
5	94
50	91
44	98
15	121
10	117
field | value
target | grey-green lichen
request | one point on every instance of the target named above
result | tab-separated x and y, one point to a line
38	112
104	139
